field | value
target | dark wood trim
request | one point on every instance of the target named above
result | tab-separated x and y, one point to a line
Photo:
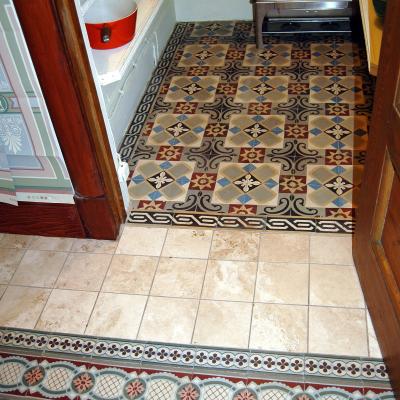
43	219
54	38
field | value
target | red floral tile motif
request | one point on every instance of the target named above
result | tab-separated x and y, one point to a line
338	157
209	40
185	108
189	392
265	71
252	155
216	130
203	181
235	54
337	109
134	389
292	184
227	88
296	131
301	54
198	71
147	129
242	209
259	108
337	70
33	376
164	88
83	382
245	394
169	153
298	88
151	205
340	213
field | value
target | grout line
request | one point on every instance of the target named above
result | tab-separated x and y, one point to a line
98	293
151	285
254	290
52	290
202	287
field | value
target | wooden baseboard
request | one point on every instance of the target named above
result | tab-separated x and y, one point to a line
41	219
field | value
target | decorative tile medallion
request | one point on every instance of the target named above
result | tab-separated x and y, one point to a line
41	365
277	55
161	180
204	55
241	183
178	130
299	109
199	89
339	133
265	131
332	186
261	89
336	89
224	28
336	54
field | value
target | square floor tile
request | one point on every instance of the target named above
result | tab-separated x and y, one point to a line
285	247
20	307
222	323
331	186
39	268
94	246
192	89
116	315
334	54
67	311
335	285
161	180
331	249
279	327
130	274
11	241
179	277
223	28
338	133
9	260
137	240
235	245
338	331
271	55
168	320
285	283
212	55
336	89
230	280
178	130
247	183
187	243
257	131
84	271
51	243
262	89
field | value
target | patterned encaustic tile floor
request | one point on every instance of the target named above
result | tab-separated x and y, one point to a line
231	136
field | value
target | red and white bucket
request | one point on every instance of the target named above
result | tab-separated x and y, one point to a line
111	23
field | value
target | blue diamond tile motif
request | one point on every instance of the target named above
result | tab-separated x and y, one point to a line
339	202
314	184
249	167
224	182
245	198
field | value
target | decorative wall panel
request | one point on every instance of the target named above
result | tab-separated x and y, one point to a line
31	164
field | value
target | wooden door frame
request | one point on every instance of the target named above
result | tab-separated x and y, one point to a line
380	297
53	34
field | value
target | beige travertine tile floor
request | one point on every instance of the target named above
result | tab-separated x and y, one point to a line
263	290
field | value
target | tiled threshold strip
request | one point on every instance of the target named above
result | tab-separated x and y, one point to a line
137	147
35	364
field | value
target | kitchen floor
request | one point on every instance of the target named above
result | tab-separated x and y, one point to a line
293	292
231	136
